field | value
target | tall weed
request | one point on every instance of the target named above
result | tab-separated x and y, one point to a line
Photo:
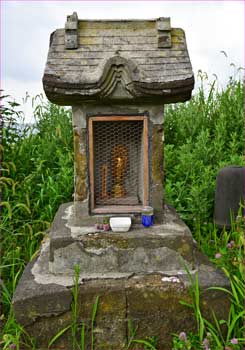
36	177
202	136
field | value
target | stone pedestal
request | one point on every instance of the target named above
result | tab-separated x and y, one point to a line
139	277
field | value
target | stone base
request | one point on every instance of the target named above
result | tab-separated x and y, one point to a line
138	276
75	240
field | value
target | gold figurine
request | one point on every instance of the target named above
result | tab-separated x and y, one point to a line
119	162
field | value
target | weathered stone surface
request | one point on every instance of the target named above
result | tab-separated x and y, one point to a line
157	171
80	112
148	298
147	58
109	328
163	24
140	250
164	33
164	40
229	194
71	32
154	308
151	302
32	301
80	161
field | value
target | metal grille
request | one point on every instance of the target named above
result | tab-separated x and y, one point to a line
118	162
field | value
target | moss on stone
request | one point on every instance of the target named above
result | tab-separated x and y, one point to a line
103	242
80	160
157	154
184	249
95	26
177	32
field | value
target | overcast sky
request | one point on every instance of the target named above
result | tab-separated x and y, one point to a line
210	27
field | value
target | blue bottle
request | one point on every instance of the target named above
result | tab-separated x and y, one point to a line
147	218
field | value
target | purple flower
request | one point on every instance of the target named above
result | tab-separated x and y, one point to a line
182	336
12	346
230	244
205	344
218	255
234	341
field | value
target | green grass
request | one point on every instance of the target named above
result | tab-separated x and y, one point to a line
78	334
201	136
36	177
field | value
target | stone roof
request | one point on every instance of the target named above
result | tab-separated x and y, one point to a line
118	59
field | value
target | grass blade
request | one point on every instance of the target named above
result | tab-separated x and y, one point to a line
82	336
145	343
95	306
58	335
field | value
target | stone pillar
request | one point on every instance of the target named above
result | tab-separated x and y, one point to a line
157	171
80	155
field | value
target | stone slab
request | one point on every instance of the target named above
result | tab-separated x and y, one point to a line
141	250
151	302
33	299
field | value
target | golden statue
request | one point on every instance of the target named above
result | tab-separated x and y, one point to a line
119	163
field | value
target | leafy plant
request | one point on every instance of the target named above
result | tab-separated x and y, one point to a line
77	327
148	343
202	136
186	341
95	307
234	324
75	308
36	177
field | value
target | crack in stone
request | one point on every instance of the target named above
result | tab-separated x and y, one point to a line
126	315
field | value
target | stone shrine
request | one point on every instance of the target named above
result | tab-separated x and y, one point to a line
117	75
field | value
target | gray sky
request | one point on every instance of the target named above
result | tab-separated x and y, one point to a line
210	27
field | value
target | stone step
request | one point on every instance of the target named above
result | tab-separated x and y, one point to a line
141	250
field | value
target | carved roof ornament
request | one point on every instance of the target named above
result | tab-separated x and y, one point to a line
164	32
71	32
142	60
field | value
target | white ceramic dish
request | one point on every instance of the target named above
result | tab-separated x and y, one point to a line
120	224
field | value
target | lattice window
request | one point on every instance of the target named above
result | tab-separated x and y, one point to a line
118	149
